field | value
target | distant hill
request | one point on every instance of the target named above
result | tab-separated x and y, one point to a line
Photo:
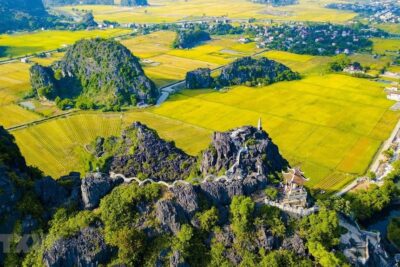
94	73
95	2
246	70
22	15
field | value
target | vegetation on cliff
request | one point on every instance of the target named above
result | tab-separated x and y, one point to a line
244	71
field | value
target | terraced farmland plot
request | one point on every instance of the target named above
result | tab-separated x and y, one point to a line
330	125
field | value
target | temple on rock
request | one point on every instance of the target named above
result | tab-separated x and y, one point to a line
293	188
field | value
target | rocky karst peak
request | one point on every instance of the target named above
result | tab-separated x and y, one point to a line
241	152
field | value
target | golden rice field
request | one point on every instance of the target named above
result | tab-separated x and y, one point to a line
165	65
46	61
161	63
21	44
329	125
300	63
382	46
57	146
390	27
12	114
14	81
172	11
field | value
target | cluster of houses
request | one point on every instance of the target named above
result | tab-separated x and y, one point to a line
321	39
384	11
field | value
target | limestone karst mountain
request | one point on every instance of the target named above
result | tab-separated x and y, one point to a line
95	73
111	219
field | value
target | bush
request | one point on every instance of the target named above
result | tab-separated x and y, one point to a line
241	209
393	231
208	219
271	193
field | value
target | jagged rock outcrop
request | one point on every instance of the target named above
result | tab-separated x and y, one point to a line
86	248
25	196
50	192
295	244
242	152
368	250
42	80
186	197
140	152
216	192
95	186
170	215
252	71
101	72
176	260
199	78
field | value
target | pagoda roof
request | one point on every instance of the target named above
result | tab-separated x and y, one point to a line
294	175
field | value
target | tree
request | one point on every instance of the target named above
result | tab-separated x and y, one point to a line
324	257
339	63
131	245
322	227
271	193
208	219
58	74
282	258
248	259
322	232
217	255
241	209
182	242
